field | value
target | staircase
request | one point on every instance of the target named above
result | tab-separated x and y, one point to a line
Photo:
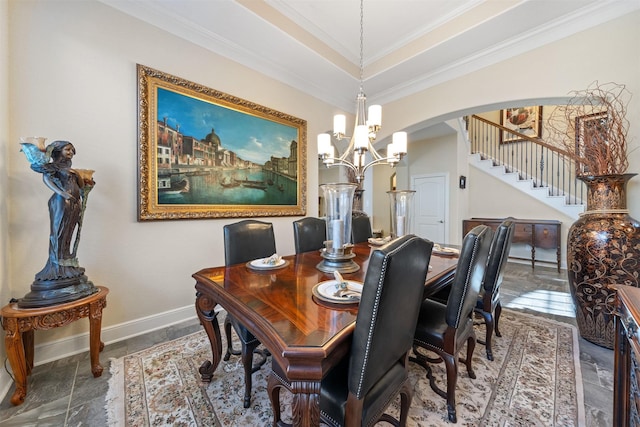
528	164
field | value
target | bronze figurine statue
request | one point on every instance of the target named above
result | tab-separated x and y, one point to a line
62	279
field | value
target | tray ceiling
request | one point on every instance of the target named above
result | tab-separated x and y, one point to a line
409	45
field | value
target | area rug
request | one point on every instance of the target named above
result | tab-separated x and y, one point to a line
534	380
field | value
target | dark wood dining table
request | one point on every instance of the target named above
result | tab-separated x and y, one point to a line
306	336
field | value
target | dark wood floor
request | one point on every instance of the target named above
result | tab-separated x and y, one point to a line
64	393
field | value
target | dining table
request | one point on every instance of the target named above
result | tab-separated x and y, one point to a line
306	334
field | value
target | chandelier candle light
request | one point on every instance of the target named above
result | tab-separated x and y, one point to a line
364	133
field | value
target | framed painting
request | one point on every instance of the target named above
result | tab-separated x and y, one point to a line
203	153
520	120
591	133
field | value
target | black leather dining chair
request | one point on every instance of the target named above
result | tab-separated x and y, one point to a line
358	390
360	229
245	241
488	302
309	234
443	329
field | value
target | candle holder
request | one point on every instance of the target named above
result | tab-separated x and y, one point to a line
400	201
338	250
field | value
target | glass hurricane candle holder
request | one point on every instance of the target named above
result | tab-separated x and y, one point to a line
401	211
337	253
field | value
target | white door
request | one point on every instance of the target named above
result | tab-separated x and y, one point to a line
431	203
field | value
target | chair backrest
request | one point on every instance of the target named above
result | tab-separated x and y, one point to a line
309	234
469	274
248	240
389	308
360	229
498	255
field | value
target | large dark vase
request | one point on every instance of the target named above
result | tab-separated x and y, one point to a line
603	248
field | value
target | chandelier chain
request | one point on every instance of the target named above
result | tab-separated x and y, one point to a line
364	133
361	45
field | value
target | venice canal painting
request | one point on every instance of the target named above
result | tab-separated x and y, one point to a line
209	154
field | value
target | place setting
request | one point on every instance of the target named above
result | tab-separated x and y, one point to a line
273	262
379	241
338	291
444	251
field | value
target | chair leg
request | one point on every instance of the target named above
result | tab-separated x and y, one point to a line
471	345
273	389
422	360
406	395
451	365
227	333
247	363
498	312
489	326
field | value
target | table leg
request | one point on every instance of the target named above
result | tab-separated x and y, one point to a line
28	345
306	403
16	355
208	318
95	345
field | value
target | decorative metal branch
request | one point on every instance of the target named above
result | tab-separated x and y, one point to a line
592	128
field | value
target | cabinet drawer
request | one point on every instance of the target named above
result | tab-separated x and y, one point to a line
546	237
469	225
522	233
629	328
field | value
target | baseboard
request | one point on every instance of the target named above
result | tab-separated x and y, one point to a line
6	382
76	344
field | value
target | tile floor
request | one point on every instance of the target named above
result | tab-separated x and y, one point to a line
64	393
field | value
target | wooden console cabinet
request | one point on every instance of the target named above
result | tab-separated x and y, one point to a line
626	385
539	233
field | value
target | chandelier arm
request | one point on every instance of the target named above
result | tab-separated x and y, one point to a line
338	161
350	149
376	162
375	154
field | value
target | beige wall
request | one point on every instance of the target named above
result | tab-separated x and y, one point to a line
438	155
4	188
72	76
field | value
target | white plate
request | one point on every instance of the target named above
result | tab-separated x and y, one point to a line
325	290
259	264
379	241
446	251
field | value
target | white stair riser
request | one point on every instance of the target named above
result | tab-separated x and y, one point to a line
526	186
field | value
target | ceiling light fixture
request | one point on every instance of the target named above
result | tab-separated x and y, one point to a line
364	133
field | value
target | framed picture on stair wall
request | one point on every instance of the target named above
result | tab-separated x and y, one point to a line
520	121
206	154
590	132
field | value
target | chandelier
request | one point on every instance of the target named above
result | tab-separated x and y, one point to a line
365	130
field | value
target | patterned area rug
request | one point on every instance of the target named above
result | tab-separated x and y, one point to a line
535	380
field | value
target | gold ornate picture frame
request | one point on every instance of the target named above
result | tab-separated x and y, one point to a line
203	153
524	120
590	132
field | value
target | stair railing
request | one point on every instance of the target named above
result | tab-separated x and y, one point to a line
531	158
